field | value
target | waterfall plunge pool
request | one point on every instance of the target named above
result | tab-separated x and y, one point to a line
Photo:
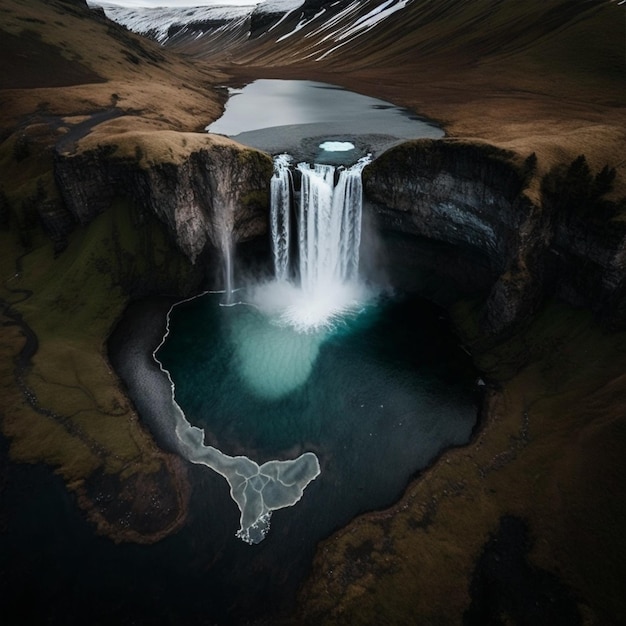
377	396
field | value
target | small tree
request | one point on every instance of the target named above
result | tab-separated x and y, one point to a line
575	191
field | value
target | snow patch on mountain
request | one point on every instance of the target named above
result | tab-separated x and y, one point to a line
300	25
364	24
157	22
333	25
279	6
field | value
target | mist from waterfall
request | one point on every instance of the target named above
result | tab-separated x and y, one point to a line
322	283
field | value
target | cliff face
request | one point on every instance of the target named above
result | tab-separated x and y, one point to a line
588	266
469	197
203	194
473	197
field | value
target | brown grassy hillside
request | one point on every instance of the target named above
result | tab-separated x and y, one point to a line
64	44
66	73
539	76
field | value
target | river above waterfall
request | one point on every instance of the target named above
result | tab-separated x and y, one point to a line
310	120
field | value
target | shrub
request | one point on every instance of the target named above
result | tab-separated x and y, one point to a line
574	191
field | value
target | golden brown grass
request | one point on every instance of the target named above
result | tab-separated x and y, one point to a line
150	147
159	90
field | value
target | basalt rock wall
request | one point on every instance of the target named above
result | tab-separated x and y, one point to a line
470	199
202	196
474	198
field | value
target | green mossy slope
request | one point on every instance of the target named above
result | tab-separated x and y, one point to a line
64	406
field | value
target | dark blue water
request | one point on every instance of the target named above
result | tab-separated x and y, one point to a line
376	399
54	570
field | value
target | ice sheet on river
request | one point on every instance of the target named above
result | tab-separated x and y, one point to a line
258	490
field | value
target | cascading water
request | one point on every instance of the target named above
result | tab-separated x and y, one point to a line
329	236
281	189
228	268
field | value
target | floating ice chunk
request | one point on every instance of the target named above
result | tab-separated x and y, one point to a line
337	146
257	490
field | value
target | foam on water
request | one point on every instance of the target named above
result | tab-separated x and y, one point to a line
337	146
258	490
319	308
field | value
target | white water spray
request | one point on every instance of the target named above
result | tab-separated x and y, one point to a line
227	255
329	237
281	189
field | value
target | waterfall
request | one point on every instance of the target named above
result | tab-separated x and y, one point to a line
318	227
227	256
280	215
328	240
329	222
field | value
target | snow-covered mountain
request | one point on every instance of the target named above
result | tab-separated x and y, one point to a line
163	23
326	25
336	24
349	35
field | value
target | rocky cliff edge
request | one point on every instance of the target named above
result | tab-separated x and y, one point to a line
202	187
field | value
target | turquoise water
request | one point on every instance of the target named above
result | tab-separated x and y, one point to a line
376	398
399	354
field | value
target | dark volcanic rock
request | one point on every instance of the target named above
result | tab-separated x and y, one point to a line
473	196
262	19
470	196
202	198
470	199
